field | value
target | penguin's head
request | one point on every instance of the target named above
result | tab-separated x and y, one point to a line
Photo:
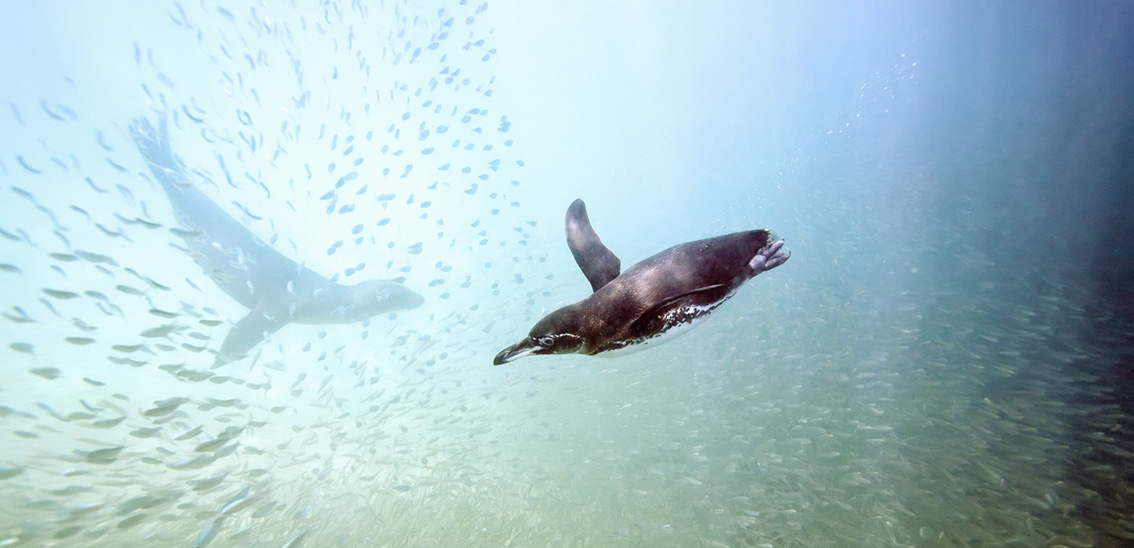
549	336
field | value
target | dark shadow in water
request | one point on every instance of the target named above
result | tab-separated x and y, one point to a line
1036	129
1106	435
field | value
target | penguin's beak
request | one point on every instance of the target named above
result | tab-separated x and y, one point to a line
515	352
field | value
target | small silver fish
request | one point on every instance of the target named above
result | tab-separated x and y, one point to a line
209	533
189	433
239	502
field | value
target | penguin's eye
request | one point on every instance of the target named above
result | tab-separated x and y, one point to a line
546	342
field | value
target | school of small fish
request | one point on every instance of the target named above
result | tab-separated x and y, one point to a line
362	140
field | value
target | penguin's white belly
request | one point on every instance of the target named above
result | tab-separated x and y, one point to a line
696	316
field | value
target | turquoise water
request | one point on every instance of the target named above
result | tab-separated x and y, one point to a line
942	362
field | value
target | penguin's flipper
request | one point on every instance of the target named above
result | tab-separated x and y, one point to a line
599	264
684	294
249	332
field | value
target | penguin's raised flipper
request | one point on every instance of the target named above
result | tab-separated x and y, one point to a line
599	264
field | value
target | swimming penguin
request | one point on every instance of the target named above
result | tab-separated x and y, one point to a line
274	288
654	300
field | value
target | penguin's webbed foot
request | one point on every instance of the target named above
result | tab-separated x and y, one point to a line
769	257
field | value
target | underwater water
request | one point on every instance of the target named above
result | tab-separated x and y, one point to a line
944	361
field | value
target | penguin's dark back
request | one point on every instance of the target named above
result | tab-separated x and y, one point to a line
717	260
720	261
